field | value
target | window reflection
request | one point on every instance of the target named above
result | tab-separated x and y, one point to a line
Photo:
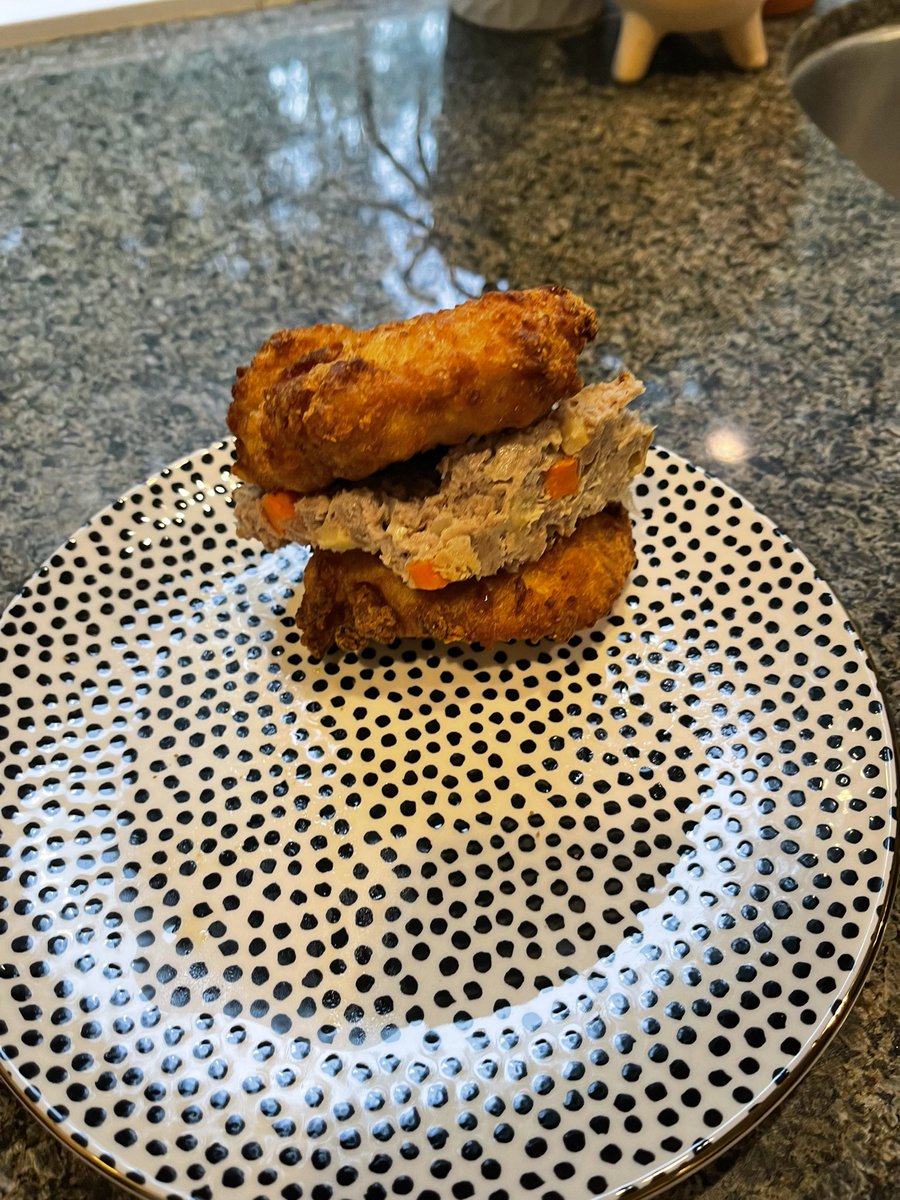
375	144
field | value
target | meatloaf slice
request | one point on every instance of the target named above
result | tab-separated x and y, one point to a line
497	502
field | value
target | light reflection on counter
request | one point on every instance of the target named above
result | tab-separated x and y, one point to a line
727	444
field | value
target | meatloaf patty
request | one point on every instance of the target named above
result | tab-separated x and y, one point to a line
494	502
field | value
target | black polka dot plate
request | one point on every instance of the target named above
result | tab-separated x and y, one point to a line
551	921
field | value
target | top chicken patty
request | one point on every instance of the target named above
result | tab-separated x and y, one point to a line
327	403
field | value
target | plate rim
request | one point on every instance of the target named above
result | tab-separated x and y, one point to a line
716	1145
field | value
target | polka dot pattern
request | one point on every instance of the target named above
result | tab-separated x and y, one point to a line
442	922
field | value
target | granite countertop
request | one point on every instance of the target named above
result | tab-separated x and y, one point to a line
169	196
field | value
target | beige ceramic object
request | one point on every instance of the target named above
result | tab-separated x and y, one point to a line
646	22
527	14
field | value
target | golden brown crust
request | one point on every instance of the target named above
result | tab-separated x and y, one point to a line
330	403
351	599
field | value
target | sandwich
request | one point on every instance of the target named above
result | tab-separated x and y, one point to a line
451	473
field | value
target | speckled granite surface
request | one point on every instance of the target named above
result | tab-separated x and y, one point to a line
169	196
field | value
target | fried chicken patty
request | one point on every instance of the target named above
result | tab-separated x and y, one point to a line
327	403
351	599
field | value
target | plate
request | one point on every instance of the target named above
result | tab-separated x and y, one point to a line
551	920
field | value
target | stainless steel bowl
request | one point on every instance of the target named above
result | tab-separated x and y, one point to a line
851	90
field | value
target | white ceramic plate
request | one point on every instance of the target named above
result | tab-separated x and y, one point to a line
539	921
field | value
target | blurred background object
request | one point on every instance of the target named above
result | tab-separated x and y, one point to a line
646	22
851	89
784	8
24	22
528	14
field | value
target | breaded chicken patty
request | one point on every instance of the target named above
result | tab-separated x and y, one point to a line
352	599
327	403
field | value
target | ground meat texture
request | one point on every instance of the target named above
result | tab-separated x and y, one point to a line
500	502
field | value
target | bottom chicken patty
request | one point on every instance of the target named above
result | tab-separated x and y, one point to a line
351	598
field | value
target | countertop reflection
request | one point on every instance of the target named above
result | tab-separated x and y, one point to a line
170	196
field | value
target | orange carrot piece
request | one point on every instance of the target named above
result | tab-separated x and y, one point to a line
424	576
561	479
278	507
